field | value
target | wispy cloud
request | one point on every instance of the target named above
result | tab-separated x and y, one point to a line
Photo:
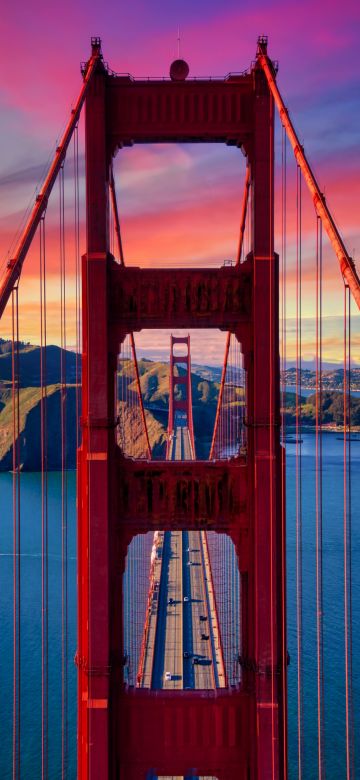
182	205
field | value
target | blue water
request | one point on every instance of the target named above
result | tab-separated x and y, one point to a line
31	615
31	625
333	603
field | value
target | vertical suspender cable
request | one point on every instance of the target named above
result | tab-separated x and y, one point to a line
16	757
299	607
77	282
44	508
64	519
349	721
283	280
319	506
350	601
272	497
283	427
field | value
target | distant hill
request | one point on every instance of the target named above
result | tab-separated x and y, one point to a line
332	379
30	364
154	379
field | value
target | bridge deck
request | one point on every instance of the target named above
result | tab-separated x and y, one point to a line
182	643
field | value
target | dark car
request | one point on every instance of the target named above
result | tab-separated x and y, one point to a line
204	636
187	654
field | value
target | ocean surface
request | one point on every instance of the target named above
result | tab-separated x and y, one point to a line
31	615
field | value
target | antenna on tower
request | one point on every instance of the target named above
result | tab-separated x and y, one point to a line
179	69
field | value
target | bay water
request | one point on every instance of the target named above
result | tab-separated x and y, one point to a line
31	615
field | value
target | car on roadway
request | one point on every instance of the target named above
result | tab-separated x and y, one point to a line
187	654
186	598
168	676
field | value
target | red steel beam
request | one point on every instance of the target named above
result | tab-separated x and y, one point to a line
346	263
181	495
215	729
14	265
179	297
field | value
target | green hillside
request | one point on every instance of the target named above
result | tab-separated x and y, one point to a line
332	409
30	427
29	361
154	379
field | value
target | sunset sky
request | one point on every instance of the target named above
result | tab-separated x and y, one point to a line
181	204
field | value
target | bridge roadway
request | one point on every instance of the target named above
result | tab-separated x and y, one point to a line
182	648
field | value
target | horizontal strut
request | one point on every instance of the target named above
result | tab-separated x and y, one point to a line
163	495
187	297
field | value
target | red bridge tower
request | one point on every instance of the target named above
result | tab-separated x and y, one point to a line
227	733
182	379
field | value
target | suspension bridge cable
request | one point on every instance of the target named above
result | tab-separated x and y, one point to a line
350	643
115	214
116	223
14	265
44	509
218	415
272	496
346	263
347	534
15	369
283	278
299	533
319	505
244	208
64	507
77	282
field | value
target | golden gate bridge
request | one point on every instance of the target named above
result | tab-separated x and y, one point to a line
181	672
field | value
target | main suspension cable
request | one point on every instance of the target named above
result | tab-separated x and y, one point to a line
14	266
